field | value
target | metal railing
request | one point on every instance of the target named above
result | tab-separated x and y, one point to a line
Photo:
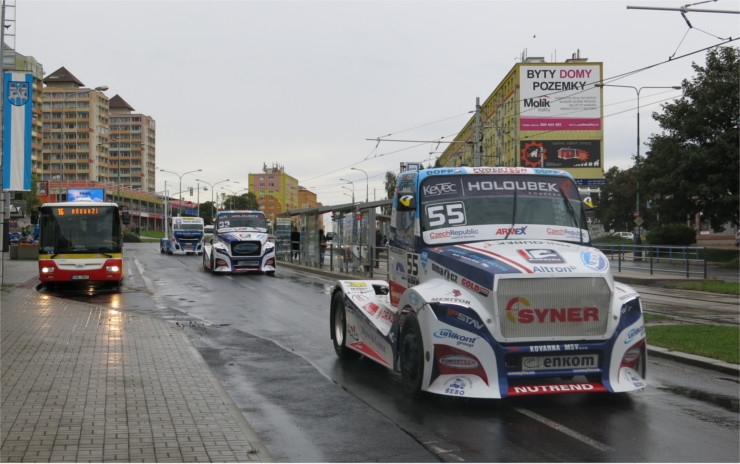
661	259
353	260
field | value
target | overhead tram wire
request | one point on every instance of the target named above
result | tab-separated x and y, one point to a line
611	79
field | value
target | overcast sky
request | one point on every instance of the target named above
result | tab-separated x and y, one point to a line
303	84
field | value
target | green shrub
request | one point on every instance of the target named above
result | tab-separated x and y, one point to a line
130	237
671	234
720	255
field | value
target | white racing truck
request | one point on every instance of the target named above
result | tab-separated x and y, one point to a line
239	244
494	291
184	237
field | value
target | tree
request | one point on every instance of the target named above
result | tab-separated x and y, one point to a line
390	189
694	166
245	201
617	200
206	211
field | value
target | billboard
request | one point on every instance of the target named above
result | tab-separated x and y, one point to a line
560	154
559	97
17	119
89	194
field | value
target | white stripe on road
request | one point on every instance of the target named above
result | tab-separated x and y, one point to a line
563	429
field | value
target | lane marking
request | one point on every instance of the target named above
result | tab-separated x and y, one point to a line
563	429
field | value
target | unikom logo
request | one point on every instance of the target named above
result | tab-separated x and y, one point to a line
518	310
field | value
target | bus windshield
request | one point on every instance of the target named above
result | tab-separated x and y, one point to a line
488	207
238	220
80	229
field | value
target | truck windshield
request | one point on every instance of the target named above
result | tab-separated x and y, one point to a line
486	207
189	226
80	230
238	220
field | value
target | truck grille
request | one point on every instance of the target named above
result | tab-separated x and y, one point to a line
553	307
253	248
188	239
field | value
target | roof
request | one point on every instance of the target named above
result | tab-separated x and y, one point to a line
118	103
62	75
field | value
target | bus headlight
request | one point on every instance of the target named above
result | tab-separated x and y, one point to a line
47	270
112	268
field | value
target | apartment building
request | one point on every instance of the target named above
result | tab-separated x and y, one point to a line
131	147
275	190
75	129
540	115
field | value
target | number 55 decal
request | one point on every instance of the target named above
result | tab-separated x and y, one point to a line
446	214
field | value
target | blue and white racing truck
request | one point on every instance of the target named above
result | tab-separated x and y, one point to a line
240	243
494	291
185	236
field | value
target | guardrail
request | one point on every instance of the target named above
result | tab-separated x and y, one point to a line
658	259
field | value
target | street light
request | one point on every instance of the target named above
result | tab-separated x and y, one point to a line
367	183
213	205
353	189
234	194
65	96
637	156
179	210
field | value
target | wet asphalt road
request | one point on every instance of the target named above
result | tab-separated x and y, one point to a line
267	340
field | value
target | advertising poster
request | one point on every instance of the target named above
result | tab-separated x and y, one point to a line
560	97
17	118
560	154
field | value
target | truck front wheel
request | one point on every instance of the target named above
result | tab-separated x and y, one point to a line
339	326
411	354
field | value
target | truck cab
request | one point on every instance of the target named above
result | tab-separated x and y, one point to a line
185	236
494	290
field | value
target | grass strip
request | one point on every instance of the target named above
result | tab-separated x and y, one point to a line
716	286
713	341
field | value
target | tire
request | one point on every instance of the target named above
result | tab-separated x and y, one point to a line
411	353
339	326
213	264
161	248
206	268
270	273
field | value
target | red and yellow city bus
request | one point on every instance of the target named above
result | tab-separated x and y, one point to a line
81	241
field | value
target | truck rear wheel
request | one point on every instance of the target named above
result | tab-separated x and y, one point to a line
411	355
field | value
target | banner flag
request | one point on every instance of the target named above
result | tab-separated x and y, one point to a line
18	88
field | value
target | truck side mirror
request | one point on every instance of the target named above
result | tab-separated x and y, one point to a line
406	203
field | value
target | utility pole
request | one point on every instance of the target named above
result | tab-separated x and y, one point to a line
477	135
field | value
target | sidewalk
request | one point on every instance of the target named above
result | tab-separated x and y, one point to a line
83	383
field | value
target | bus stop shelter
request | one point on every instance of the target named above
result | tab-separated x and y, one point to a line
358	243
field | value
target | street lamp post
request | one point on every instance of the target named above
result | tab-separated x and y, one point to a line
213	205
234	194
637	156
367	183
179	210
353	189
353	193
65	96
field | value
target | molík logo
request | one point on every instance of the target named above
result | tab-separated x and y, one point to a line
519	310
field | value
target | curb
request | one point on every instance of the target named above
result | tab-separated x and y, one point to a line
694	360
